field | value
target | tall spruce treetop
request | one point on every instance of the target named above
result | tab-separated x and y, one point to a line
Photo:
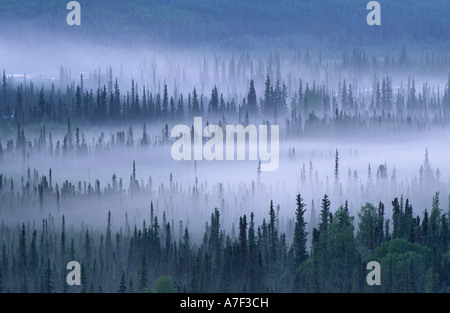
336	166
273	237
195	103
434	223
252	262
165	103
214	242
300	234
268	96
214	101
251	98
325	214
243	238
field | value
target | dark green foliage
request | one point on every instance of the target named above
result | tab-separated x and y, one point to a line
325	215
300	234
370	221
164	284
261	258
404	265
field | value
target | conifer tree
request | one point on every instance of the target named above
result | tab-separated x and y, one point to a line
324	214
214	101
251	98
165	103
300	234
243	238
273	233
252	260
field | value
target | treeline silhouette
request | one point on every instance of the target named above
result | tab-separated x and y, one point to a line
234	23
154	257
306	109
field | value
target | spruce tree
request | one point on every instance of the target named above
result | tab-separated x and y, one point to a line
251	98
300	234
252	260
273	236
268	107
165	103
324	214
214	101
243	238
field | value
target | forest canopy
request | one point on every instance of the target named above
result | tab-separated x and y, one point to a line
237	23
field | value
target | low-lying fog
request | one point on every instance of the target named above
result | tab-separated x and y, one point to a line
235	187
188	191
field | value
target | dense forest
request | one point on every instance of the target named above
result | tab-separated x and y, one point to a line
160	253
45	225
325	97
234	23
87	172
155	257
